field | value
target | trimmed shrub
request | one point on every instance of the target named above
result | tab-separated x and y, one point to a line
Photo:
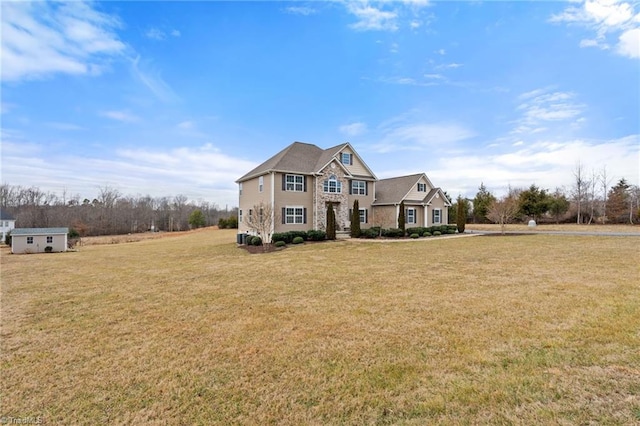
369	233
426	234
73	233
48	249
414	235
436	233
393	233
298	240
301	234
256	241
280	244
417	230
280	237
451	229
313	235
7	238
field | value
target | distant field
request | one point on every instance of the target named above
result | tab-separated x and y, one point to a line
570	227
534	329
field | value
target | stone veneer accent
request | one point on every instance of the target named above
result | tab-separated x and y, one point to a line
342	200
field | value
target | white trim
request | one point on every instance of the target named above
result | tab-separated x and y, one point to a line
294	215
273	202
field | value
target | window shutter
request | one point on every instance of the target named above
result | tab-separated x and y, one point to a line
350	213
351	159
350	187
284	182
304	215
366	188
366	215
284	215
305	184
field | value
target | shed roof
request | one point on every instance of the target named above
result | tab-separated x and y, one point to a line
39	231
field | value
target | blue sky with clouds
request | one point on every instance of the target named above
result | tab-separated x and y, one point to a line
168	98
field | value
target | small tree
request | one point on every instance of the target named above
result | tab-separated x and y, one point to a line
401	218
481	203
558	205
261	219
503	211
461	213
355	220
331	222
197	219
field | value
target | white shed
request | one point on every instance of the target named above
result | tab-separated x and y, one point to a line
36	240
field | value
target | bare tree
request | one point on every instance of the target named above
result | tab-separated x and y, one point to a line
580	188
261	218
382	218
503	211
604	182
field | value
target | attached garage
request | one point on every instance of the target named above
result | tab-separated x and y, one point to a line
38	240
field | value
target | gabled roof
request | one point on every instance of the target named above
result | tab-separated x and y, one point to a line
299	157
394	190
5	216
39	231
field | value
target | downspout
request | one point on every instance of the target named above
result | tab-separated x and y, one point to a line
315	202
273	202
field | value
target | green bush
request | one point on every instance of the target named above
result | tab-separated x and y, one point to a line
280	237
417	230
313	235
298	240
369	233
451	229
280	244
256	241
436	233
48	249
7	238
73	233
301	234
393	233
414	235
426	234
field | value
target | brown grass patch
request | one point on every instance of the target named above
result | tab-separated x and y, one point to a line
192	330
564	227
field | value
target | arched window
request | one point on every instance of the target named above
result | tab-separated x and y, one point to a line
333	185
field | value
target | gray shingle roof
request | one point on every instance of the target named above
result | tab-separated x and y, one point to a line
393	190
299	157
39	231
5	216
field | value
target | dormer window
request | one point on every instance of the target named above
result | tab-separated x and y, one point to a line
332	185
347	159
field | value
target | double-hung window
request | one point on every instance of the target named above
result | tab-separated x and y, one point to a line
363	216
437	215
239	216
29	240
332	185
260	183
294	215
411	216
294	183
240	187
347	159
358	187
422	187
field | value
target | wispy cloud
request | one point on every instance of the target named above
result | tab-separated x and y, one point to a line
353	129
607	19
42	38
370	18
419	136
540	107
152	80
300	10
155	33
123	116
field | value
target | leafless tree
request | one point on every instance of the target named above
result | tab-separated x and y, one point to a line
580	188
604	182
504	210
261	219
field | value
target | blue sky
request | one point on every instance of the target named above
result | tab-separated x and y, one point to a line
168	98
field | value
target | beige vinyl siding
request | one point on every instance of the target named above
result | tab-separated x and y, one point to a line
384	216
358	168
414	194
251	196
19	243
284	198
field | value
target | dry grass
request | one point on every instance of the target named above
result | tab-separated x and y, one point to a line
569	227
532	329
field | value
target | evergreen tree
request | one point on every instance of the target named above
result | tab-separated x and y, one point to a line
355	220
618	202
481	203
461	213
401	217
558	205
197	219
534	202
331	222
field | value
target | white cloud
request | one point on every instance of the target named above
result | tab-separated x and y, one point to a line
122	116
175	33
152	81
629	43
300	10
606	18
419	136
371	18
42	38
353	129
541	106
186	125
448	66
155	34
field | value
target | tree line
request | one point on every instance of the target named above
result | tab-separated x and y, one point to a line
591	199
111	212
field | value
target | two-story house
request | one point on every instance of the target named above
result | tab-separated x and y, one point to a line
302	179
7	223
